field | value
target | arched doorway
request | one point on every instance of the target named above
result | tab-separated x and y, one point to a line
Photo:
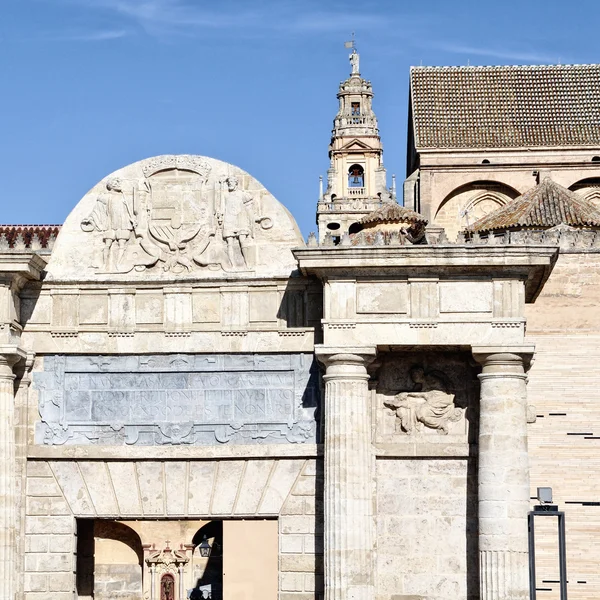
167	587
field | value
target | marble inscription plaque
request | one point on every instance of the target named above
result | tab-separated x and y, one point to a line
177	399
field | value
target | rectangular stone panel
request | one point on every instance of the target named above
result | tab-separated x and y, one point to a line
93	309
206	307
263	306
65	310
382	297
149	307
466	297
177	399
36	310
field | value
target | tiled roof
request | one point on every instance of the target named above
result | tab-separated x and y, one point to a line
391	212
13	235
506	107
545	205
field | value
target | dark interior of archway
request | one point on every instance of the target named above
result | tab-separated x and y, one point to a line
355	228
209	584
583	183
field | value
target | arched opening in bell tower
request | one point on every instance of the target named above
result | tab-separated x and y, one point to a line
356	177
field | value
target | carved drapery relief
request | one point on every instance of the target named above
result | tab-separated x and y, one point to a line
430	404
180	216
425	396
177	399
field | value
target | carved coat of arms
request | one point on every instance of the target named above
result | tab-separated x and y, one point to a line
180	216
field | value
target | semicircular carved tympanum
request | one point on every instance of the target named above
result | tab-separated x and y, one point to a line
468	203
588	189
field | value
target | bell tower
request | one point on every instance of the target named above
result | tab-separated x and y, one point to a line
356	179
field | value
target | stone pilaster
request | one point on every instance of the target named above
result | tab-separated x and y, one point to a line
349	464
8	514
503	475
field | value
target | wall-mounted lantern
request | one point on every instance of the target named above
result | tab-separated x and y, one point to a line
205	548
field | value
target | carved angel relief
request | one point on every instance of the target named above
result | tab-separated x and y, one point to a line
431	404
177	217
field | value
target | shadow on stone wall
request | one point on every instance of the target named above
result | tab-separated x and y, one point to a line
210	583
319	549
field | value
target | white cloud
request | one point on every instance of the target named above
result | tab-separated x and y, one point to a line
186	16
502	54
91	36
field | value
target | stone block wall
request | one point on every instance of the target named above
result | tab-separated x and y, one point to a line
564	449
117	582
49	538
564	325
426	529
301	537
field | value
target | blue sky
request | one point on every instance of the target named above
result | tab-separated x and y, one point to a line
89	86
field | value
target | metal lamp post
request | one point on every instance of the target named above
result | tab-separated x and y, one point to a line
547	509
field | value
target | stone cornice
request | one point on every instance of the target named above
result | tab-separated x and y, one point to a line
532	264
27	265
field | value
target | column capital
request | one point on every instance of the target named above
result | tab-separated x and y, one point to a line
346	362
328	355
504	359
9	357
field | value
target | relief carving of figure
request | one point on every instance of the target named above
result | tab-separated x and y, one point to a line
113	216
432	404
177	217
238	221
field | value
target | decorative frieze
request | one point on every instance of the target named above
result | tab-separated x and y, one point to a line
177	399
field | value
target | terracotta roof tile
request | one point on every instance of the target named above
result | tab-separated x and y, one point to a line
391	212
43	234
506	106
545	205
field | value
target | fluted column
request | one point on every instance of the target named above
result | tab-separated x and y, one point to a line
8	514
503	476
349	463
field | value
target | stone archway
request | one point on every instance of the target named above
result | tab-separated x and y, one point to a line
589	189
469	202
118	559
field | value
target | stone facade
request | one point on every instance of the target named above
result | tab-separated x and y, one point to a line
364	416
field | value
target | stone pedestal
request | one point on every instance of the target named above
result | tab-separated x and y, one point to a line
8	514
503	476
349	484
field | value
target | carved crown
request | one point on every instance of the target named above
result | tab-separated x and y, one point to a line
186	162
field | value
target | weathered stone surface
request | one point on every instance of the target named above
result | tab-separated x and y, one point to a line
173	217
177	399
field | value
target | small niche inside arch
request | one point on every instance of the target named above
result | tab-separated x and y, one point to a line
485	161
596	159
333	226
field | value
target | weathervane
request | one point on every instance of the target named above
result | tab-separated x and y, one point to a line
354	58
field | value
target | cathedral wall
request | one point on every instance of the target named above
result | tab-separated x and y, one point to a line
564	325
442	176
